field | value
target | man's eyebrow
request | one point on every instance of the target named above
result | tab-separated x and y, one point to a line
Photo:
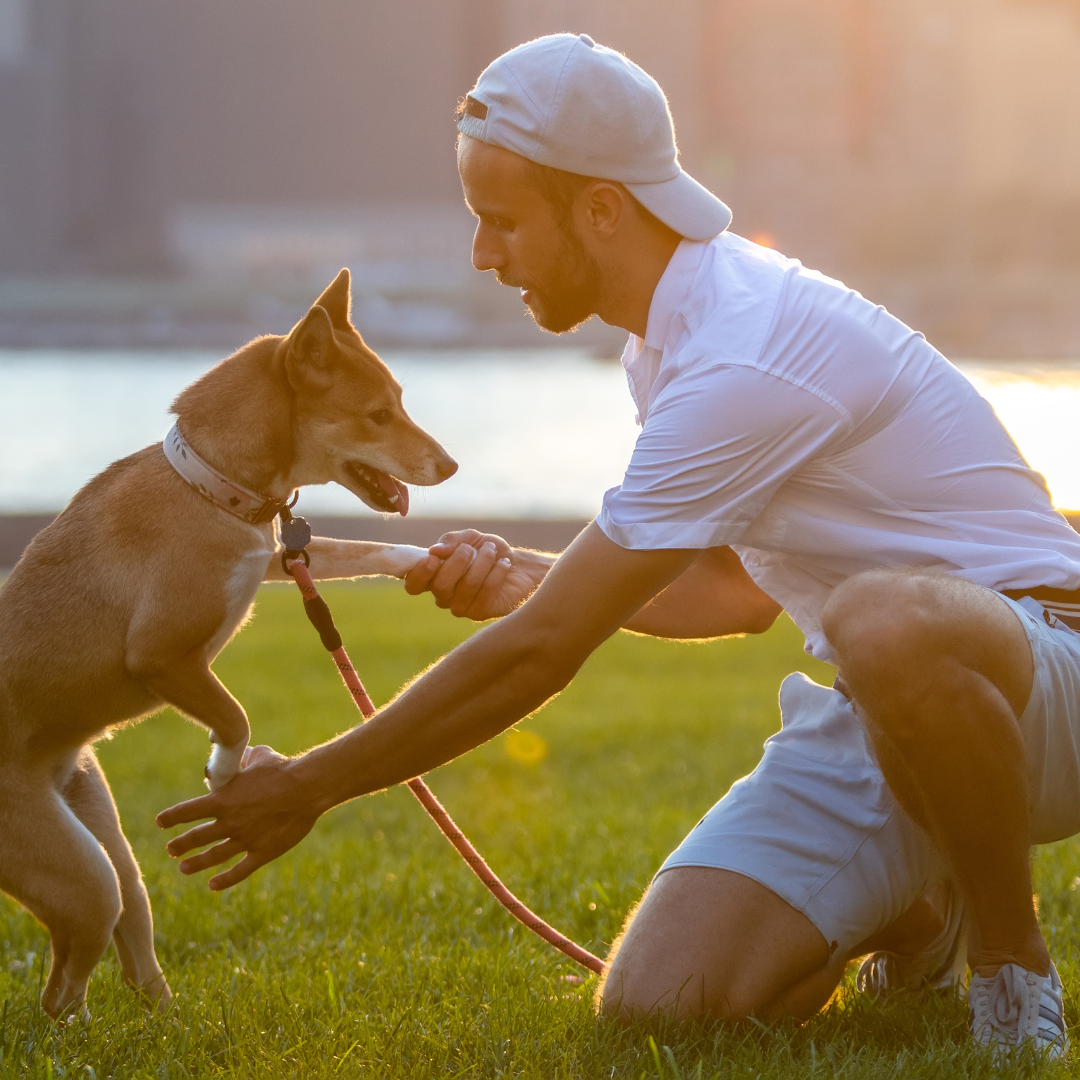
482	213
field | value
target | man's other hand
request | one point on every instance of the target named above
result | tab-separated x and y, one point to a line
478	575
261	812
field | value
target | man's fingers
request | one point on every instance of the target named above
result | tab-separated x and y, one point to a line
450	573
473	581
243	869
200	836
203	807
451	541
211	857
418	579
255	756
485	605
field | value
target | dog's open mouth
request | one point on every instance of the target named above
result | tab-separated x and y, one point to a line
379	490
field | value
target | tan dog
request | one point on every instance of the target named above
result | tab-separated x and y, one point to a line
121	604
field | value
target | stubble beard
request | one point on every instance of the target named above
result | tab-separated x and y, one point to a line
568	291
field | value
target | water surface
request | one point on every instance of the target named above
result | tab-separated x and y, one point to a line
537	433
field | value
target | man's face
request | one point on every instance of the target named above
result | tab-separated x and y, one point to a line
519	237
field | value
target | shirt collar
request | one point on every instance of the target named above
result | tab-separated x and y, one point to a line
672	291
642	356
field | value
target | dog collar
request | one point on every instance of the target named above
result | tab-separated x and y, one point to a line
213	486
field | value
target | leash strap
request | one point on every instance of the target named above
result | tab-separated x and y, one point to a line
319	614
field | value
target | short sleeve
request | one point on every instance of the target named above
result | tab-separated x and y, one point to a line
715	447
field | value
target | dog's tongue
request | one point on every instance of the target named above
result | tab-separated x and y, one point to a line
394	487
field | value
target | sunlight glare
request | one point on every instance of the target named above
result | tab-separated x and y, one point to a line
1039	404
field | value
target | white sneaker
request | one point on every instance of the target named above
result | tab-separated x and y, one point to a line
941	965
1016	1005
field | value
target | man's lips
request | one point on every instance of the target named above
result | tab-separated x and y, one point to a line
384	491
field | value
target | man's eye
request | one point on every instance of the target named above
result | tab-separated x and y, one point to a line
380	416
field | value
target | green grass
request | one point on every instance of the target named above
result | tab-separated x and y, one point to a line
371	950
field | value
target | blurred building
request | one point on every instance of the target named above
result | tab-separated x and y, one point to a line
210	157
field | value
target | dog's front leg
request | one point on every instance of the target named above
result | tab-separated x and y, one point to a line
188	684
332	559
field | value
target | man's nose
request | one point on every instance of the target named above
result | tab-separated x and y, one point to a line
487	253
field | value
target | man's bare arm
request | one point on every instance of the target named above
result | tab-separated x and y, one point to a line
480	576
714	597
486	684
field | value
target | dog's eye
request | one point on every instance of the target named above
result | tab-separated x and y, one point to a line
380	416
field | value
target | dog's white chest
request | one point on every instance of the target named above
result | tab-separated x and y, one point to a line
240	592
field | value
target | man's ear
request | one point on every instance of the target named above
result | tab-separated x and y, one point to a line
310	359
335	301
605	207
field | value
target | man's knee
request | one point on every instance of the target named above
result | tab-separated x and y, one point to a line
708	942
623	993
891	631
633	989
904	640
880	622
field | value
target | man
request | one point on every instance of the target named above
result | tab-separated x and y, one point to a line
802	449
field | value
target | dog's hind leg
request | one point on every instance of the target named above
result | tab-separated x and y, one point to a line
54	867
87	793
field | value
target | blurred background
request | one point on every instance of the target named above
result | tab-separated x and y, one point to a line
177	176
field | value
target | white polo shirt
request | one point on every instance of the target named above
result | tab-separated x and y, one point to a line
787	416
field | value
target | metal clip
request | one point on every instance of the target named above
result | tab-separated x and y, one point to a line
295	535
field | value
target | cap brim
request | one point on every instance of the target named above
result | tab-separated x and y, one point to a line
684	205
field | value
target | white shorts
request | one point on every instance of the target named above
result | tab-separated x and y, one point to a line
816	823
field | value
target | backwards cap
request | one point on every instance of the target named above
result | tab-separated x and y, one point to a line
567	102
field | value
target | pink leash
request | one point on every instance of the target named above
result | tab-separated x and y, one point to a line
321	619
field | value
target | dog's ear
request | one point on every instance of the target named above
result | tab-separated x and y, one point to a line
336	299
310	358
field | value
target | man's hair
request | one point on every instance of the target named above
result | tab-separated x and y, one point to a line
559	187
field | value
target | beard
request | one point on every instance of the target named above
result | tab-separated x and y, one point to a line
567	291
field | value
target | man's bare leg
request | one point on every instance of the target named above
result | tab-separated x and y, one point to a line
716	943
707	942
940	671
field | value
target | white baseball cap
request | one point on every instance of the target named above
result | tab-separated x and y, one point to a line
567	102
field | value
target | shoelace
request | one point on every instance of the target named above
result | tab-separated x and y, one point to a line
1007	997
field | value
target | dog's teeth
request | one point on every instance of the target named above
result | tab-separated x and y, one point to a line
392	498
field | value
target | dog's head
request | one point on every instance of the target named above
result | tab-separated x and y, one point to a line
350	423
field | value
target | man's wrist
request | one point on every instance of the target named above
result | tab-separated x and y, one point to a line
314	786
534	563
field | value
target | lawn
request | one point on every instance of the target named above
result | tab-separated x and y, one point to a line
371	950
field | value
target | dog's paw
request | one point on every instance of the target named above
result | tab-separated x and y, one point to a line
395	560
225	762
157	996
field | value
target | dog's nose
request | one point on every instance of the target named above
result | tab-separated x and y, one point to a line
446	468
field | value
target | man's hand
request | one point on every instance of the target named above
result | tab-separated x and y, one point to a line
489	682
478	575
262	811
